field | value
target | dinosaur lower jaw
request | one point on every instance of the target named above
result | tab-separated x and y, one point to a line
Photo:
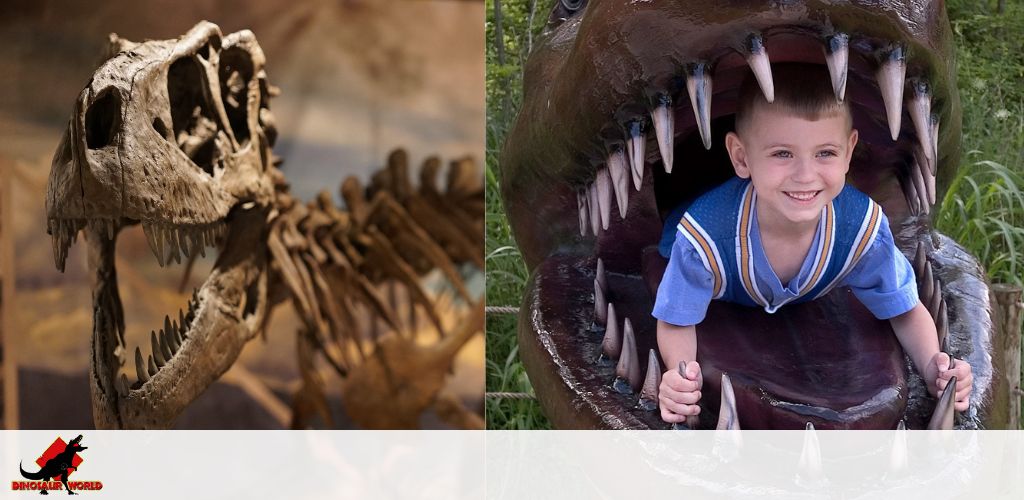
186	357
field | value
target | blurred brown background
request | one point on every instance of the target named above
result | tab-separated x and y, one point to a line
357	77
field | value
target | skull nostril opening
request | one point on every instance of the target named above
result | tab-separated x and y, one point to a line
160	128
101	120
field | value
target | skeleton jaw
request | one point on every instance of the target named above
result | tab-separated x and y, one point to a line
186	357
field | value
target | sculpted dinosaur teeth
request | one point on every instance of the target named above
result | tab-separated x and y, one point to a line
620	180
600	274
177	240
649	392
698	85
942	419
595	208
63	232
603	184
837	57
151	366
636	142
757	58
122	385
600	304
627	372
935	144
728	418
917	177
664	128
891	74
584	210
611	345
920	107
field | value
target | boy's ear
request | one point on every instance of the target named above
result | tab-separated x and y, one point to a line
737	154
854	135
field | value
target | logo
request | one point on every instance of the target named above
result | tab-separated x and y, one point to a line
56	465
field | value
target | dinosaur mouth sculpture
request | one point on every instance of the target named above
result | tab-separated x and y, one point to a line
173	135
625	108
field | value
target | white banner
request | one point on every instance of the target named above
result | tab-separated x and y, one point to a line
362	465
684	465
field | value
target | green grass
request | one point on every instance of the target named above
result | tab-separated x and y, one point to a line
983	209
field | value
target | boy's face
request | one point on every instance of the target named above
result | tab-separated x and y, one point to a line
796	165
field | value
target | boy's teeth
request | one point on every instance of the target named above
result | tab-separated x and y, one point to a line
802	195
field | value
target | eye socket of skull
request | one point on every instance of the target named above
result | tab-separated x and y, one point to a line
193	121
236	71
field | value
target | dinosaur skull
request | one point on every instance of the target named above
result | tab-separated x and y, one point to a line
175	135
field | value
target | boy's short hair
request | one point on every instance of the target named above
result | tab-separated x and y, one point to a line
805	90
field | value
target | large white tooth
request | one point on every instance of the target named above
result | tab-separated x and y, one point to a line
628	368
153	238
935	144
595	215
581	206
603	182
926	171
920	107
600	275
636	143
664	129
919	186
698	85
140	367
757	58
910	193
890	75
600	303
620	179
837	56
611	345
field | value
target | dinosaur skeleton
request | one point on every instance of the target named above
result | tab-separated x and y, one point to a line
176	135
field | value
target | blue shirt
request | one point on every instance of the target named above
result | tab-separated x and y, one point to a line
883	280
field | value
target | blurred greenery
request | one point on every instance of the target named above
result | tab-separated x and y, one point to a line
982	210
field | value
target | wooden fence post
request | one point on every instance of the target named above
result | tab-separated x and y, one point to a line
1004	410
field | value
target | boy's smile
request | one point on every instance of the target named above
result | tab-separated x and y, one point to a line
796	165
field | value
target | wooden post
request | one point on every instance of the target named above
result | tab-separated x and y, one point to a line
1004	411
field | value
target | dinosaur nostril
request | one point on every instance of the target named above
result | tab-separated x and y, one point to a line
101	120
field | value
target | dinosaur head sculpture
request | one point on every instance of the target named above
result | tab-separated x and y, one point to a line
625	107
174	135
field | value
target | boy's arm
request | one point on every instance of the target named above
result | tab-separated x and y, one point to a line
678	395
916	333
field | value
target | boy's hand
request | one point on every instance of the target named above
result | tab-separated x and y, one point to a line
939	374
678	395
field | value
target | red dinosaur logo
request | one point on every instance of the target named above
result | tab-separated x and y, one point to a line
59	461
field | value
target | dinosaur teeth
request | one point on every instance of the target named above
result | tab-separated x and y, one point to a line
649	392
165	347
620	181
810	458
664	128
837	56
890	75
600	303
604	196
698	85
122	385
584	211
611	345
628	368
920	106
158	354
151	367
595	215
757	58
635	145
942	419
140	367
63	233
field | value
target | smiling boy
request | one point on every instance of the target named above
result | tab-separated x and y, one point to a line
788	229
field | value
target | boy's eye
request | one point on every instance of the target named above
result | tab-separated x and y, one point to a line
782	154
827	153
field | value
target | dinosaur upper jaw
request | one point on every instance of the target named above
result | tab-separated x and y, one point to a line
187	354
